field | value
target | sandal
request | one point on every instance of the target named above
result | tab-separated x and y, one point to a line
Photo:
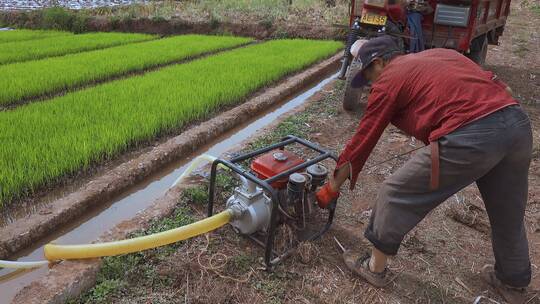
360	266
510	294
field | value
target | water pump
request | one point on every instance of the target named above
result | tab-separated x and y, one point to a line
278	189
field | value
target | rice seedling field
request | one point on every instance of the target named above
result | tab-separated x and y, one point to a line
55	46
41	77
44	141
21	35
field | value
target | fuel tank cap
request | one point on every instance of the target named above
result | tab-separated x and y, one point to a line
280	156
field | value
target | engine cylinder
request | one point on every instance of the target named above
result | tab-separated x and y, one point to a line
318	173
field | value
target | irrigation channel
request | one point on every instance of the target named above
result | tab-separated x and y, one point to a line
140	196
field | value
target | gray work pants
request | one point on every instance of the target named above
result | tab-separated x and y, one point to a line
494	152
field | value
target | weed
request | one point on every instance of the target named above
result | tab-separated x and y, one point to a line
281	34
242	263
536	9
214	21
273	289
293	125
225	182
267	22
79	24
102	290
180	217
196	195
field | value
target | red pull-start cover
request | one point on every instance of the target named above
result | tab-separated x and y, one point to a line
274	162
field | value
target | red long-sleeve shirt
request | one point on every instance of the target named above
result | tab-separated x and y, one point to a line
427	95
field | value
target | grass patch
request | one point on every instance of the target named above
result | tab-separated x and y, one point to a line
118	274
197	195
536	9
55	46
117	271
42	142
22	35
273	289
39	77
299	124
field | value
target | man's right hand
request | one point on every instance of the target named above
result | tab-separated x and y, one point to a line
326	195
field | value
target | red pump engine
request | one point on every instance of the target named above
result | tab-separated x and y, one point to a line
274	162
279	189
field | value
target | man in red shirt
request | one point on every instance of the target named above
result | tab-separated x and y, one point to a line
474	131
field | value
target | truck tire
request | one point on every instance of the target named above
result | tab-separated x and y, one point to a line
479	47
351	98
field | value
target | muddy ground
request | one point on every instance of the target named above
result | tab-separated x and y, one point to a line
438	262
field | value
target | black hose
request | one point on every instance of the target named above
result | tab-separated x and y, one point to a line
347	56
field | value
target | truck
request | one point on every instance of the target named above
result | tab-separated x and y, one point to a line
467	26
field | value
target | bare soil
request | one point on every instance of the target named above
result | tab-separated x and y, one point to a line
517	59
316	19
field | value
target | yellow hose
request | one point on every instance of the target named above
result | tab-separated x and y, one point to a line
66	252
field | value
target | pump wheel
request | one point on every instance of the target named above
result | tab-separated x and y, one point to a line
351	99
479	47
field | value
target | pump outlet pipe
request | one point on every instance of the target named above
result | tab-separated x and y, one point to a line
194	165
22	265
55	252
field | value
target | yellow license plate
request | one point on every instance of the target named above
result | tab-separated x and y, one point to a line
373	19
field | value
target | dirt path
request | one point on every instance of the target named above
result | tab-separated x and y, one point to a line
517	58
438	262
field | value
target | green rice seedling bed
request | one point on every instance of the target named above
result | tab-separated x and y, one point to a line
21	35
41	77
55	46
44	141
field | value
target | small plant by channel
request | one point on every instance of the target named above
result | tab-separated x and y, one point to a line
299	124
22	35
55	46
44	141
40	77
118	272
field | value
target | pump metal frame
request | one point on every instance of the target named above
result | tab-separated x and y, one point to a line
272	258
